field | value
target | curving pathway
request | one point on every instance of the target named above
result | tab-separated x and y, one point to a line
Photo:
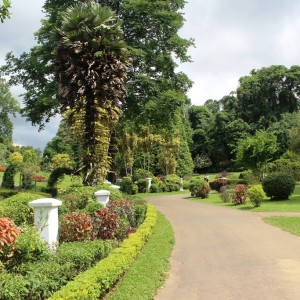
223	253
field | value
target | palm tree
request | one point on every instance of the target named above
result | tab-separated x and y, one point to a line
90	69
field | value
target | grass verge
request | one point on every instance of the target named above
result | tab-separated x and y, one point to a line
291	205
148	271
289	224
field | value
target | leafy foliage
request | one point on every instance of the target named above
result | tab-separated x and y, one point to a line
278	186
106	224
76	226
8	177
8	234
240	194
256	194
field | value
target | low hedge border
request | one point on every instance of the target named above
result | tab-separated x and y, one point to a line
96	281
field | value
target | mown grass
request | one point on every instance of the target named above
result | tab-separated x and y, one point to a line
289	224
291	205
148	271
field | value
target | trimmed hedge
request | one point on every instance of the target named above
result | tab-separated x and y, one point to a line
95	282
17	209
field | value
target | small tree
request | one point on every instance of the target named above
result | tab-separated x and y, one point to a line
61	161
255	151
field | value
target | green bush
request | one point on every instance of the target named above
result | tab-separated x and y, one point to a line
114	193
154	188
285	166
141	174
29	247
17	209
39	280
172	186
92	207
248	177
256	194
194	185
278	186
142	185
94	283
128	187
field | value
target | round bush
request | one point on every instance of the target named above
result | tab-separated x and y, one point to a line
203	191
256	195
76	226
279	186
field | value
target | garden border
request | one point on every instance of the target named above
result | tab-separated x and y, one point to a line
96	281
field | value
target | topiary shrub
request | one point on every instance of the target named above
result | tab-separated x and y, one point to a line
76	226
8	177
154	188
278	186
256	195
240	194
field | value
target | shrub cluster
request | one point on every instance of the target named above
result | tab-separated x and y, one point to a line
199	188
278	186
218	183
225	194
17	209
39	280
94	283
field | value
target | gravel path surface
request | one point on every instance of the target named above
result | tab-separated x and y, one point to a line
223	253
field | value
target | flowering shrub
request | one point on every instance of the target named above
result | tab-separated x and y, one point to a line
106	224
2	168
240	194
8	235
76	226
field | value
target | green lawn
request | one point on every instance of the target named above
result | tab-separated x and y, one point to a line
290	224
148	271
291	205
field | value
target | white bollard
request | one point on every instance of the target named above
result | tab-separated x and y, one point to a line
116	187
181	184
46	219
149	184
102	197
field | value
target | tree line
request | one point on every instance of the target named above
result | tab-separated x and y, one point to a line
108	67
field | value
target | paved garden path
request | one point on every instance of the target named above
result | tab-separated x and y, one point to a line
223	253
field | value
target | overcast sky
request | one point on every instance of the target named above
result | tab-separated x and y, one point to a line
232	37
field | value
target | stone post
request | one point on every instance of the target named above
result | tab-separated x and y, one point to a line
149	184
181	184
46	219
102	197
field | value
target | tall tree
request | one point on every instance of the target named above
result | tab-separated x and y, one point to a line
267	93
90	69
8	106
4	10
